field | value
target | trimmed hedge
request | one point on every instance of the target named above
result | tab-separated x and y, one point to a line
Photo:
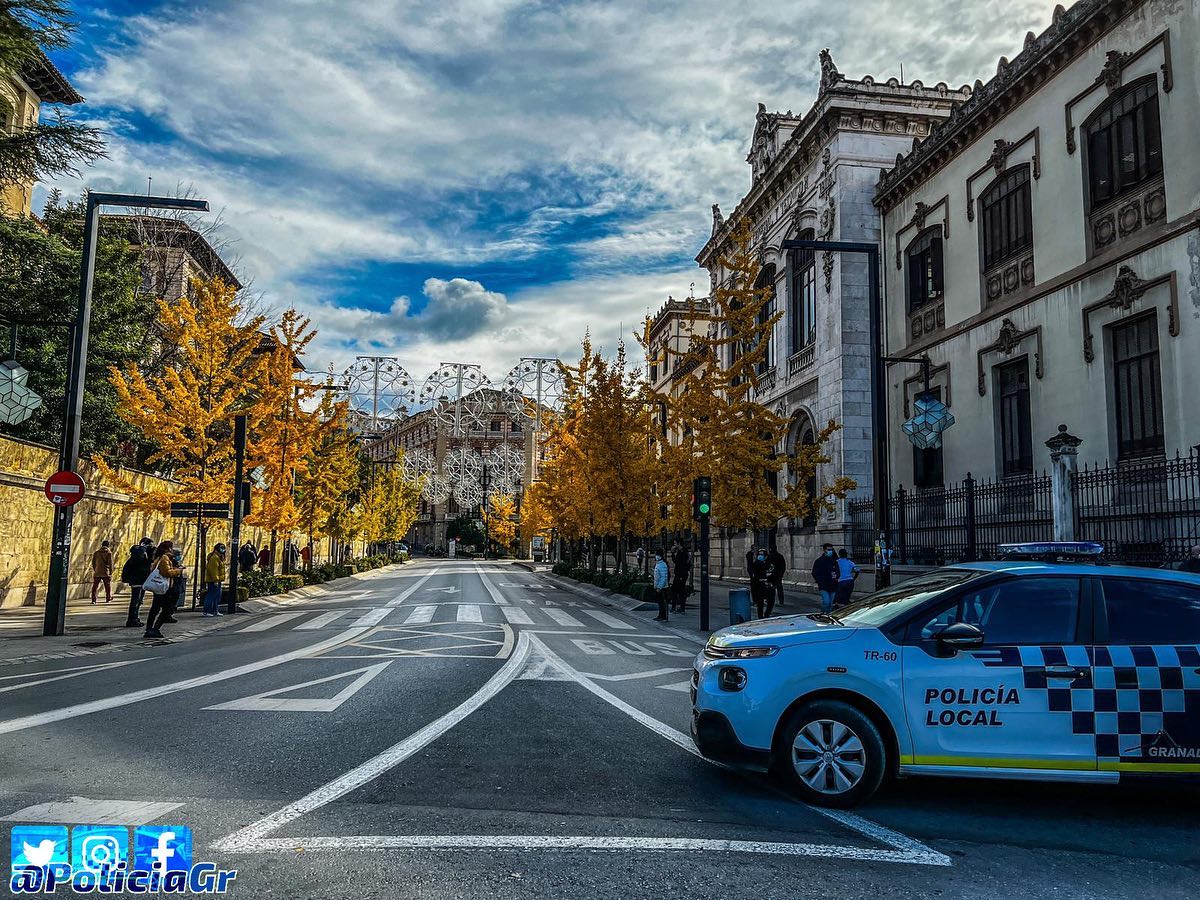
628	583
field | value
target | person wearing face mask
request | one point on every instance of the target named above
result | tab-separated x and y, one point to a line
825	573
661	576
760	588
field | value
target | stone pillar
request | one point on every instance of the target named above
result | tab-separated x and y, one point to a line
1064	449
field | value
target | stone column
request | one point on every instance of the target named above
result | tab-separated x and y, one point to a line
1064	449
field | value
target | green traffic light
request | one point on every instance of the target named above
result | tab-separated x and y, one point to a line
704	508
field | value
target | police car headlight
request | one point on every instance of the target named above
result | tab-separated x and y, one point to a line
714	652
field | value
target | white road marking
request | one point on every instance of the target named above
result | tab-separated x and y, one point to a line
408	592
631	676
248	837
60	674
563	618
272	702
442	590
605	619
421	615
469	612
85	811
374	617
162	690
269	622
683	687
516	616
322	620
497	597
532	655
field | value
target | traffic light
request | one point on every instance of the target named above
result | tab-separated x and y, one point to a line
701	497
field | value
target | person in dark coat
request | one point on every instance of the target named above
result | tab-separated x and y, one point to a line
776	567
134	573
681	565
760	588
825	573
247	557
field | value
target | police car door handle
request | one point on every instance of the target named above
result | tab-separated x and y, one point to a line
1063	672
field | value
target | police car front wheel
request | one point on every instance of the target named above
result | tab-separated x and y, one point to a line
831	754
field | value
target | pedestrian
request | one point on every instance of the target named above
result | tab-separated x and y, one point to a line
641	558
1192	563
825	573
750	555
682	563
660	586
247	556
102	569
264	560
306	555
164	583
214	580
760	589
134	574
847	572
776	567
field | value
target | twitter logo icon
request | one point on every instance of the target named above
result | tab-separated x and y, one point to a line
39	845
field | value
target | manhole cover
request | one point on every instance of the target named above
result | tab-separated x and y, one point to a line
90	644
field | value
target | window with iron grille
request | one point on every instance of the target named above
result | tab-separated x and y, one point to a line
925	268
1006	217
1012	398
802	314
927	464
1124	144
1137	386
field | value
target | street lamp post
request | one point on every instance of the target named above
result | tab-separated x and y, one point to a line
881	482
54	621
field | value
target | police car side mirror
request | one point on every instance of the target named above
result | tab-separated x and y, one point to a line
959	636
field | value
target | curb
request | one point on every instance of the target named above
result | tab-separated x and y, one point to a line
602	595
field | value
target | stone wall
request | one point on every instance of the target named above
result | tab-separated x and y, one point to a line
26	524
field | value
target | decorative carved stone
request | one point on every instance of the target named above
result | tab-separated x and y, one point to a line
995	287
1008	277
827	267
1154	207
828	216
1111	73
1104	230
825	179
1129	217
1008	338
1063	442
1027	270
718	219
999	158
1012	278
829	72
920	213
1127	289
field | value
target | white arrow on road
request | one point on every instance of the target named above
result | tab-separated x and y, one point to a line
272	702
445	590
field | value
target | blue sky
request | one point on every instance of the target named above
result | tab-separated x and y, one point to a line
478	180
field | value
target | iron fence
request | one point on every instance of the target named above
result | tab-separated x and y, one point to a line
1145	513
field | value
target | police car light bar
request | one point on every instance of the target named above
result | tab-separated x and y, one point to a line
1053	550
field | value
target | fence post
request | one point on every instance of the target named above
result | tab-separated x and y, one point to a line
901	539
1064	462
969	497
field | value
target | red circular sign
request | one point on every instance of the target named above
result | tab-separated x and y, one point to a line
64	488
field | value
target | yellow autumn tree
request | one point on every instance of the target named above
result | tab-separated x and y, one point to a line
389	506
330	475
188	410
500	518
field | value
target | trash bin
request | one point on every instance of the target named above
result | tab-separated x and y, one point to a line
739	606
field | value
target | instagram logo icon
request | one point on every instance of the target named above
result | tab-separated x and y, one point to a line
97	848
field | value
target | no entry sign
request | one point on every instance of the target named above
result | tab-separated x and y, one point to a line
64	489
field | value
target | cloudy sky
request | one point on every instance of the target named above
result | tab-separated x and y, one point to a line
480	180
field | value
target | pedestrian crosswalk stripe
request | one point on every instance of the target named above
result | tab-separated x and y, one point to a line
270	622
516	616
470	613
374	617
322	620
606	619
420	615
563	618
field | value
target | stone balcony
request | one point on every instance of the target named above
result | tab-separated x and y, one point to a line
801	360
765	385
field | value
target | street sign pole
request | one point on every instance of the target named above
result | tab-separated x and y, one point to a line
235	535
704	573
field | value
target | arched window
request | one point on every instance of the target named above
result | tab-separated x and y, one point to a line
803	435
925	281
1006	216
766	281
802	296
1124	143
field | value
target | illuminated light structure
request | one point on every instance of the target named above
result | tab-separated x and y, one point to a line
17	401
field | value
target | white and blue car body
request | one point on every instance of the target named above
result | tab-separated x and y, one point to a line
1031	670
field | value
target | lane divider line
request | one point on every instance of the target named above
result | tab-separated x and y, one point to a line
408	592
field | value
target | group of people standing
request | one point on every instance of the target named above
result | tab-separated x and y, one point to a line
766	568
671	584
834	574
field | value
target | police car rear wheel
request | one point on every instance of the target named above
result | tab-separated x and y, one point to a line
835	755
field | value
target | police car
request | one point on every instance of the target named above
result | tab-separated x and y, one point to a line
1040	666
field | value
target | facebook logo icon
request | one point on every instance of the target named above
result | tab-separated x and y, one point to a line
159	849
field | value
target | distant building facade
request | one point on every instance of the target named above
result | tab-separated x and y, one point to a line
814	176
172	254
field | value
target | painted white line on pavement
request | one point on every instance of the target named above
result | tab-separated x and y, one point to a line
85	811
93	706
269	622
60	674
421	615
374	617
322	620
631	676
469	612
682	686
497	597
270	701
408	592
248	837
516	616
563	618
605	619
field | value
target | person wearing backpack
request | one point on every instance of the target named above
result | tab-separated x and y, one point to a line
134	573
164	584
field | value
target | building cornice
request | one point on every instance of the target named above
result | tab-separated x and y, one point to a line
1071	33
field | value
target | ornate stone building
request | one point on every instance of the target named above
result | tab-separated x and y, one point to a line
171	252
814	176
1042	247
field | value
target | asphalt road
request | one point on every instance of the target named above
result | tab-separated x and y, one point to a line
463	729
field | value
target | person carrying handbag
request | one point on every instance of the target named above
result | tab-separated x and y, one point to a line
163	583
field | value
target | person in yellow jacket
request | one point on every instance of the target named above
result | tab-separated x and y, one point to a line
214	578
167	562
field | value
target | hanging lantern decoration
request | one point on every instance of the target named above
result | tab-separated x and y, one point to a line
17	401
932	418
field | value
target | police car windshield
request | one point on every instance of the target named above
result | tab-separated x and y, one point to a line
883	606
